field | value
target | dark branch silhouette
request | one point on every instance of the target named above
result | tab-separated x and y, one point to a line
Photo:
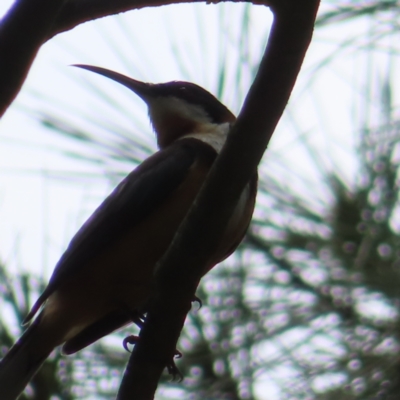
30	23
180	270
22	32
76	12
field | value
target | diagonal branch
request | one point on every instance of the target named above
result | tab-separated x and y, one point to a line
30	23
180	270
22	31
77	12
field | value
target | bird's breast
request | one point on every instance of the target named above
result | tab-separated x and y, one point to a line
120	275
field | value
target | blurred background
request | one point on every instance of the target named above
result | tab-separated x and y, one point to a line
308	307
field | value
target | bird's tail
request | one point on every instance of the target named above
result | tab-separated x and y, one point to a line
22	361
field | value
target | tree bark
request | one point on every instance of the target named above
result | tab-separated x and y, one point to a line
22	31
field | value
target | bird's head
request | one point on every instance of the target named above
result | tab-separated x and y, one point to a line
175	108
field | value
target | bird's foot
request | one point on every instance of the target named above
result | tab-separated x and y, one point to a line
131	339
198	301
173	369
171	366
138	319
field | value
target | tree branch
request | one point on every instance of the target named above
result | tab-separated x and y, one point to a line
30	23
22	31
181	268
77	12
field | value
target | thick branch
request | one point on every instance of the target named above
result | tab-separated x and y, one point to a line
180	270
22	31
77	12
30	23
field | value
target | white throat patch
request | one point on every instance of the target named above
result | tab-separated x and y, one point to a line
213	134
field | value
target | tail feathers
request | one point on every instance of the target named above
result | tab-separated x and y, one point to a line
21	363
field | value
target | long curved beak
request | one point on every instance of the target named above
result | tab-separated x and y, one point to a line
142	89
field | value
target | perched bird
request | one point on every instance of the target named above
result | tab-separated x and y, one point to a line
104	276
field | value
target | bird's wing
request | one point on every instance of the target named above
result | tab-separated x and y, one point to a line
141	192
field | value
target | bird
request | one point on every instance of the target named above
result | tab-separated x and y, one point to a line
103	279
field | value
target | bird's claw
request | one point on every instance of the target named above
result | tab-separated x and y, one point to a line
171	367
138	319
174	371
197	300
131	339
178	354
